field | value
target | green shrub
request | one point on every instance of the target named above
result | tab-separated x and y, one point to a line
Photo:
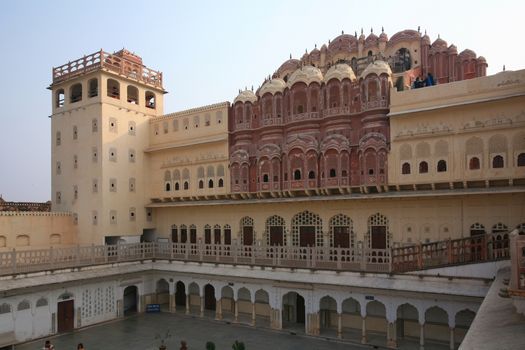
210	345
238	345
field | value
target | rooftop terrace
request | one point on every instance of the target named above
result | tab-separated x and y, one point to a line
121	62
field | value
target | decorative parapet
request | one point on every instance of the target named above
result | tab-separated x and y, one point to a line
24	206
122	62
35	213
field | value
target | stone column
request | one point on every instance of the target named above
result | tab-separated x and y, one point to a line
187	304
363	330
275	319
253	314
173	307
218	309
422	337
236	311
452	341
120	308
339	325
391	335
202	307
142	304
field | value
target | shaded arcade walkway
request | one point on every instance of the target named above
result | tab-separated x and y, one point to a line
138	332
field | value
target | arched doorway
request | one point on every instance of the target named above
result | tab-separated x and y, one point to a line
209	297
195	299
436	325
65	313
327	315
464	319
227	303
131	300
180	294
262	308
244	305
293	310
351	319
376	322
407	322
163	293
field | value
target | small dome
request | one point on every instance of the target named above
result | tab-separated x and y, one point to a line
405	35
439	44
467	54
245	96
272	86
371	40
425	39
452	49
307	75
315	54
344	42
482	59
339	71
288	66
377	67
383	38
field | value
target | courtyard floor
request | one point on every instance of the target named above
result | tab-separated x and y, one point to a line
139	332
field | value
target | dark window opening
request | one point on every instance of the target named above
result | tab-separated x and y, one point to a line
497	162
186	185
113	89
474	163
333	173
201	184
405	169
75	93
521	159
442	166
311	174
93	88
297	175
150	100
423	167
265	178
60	97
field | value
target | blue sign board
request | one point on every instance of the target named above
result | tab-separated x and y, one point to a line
151	308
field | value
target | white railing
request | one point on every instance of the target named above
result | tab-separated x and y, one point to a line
351	259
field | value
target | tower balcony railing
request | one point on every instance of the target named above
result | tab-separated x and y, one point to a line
111	62
474	249
302	116
375	104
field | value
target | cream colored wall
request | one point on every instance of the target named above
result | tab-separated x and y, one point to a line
43	229
410	219
486	108
175	148
95	208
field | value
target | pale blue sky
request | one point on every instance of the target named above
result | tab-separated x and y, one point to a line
207	50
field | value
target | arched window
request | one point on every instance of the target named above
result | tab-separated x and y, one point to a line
41	302
168	187
59	98
210	183
423	167
93	87
265	178
5	308
174	234
474	163
477	229
333	173
497	162
75	93
23	305
297	174
133	95
177	186
307	229
378	232
113	88
186	185
247	234
405	169
442	166
521	159
150	100
275	231
402	60
221	183
201	184
341	231
311	174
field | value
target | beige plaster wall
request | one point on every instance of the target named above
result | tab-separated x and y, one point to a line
410	219
36	230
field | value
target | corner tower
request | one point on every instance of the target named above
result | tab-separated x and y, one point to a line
101	105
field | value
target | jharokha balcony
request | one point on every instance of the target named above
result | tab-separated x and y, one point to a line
121	62
359	258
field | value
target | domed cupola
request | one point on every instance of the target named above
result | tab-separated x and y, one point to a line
272	86
467	54
377	67
383	38
343	43
425	39
439	45
339	71
245	96
452	50
307	75
371	40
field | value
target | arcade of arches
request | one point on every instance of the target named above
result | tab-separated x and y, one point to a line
365	317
